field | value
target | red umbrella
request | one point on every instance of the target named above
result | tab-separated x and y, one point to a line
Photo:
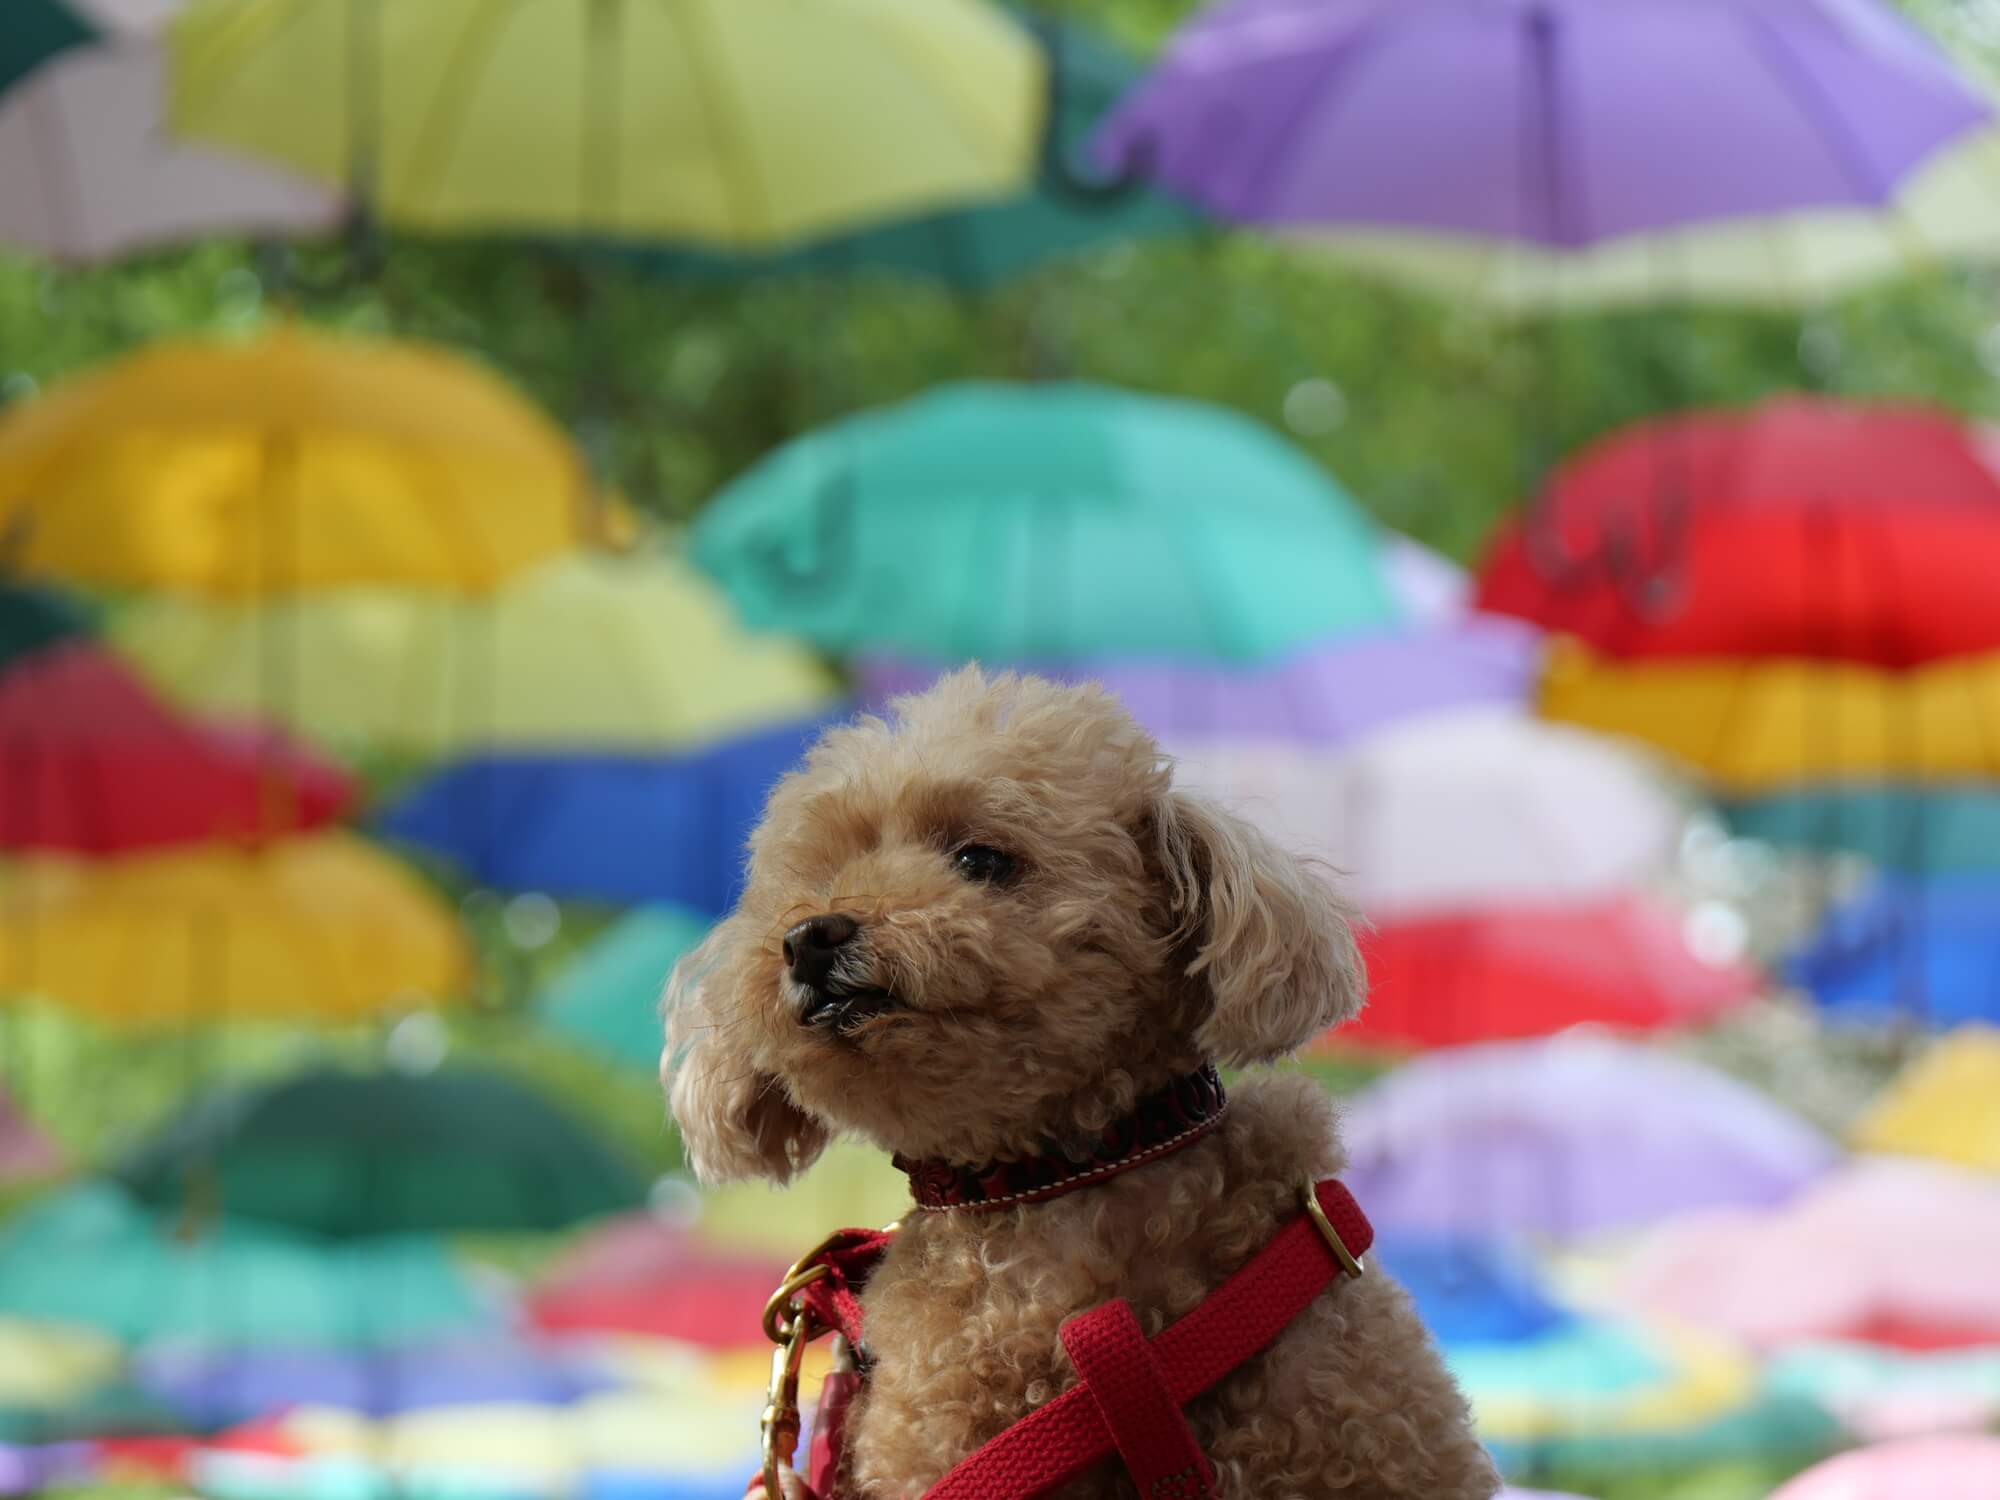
1801	527
92	762
1519	972
637	1275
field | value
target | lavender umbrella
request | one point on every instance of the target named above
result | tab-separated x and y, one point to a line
1327	695
1567	1136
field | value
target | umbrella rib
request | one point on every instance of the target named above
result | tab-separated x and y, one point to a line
739	187
1782	61
433	144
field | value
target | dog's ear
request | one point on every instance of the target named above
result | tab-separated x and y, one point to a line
1268	937
735	1119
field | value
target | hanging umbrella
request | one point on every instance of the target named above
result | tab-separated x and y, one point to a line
739	124
1909	951
1932	829
1945	1105
1510	151
322	926
1062	212
1829	1264
1324	695
607	998
348	1155
1052	521
1566	1136
1451	810
1754	724
1503	972
32	619
95	764
1803	527
1470	1290
216	1388
291	460
1431	588
24	1150
44	1366
1926	1468
850	1184
588	653
1880	1393
91	175
92	1257
36	31
636	1275
612	828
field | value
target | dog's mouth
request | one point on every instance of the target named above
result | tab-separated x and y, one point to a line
846	1011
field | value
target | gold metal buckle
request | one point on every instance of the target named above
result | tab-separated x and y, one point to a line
781	1422
1327	1232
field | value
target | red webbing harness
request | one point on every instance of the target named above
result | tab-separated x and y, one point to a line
1130	1390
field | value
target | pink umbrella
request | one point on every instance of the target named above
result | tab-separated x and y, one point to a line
1940	1468
1889	1250
24	1150
638	1275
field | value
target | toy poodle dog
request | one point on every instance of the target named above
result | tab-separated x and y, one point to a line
987	930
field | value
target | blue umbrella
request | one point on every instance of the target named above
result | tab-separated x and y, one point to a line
1920	950
1470	1291
616	828
1928	830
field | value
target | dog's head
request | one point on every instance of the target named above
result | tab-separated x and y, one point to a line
986	924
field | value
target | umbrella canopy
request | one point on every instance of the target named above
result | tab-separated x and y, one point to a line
1470	1290
974	247
36	31
33	618
1757	724
218	1388
96	764
610	828
92	1257
1566	1136
349	1155
1451	810
728	122
91	175
851	1183
291	460
1933	829
1325	695
1505	972
1555	129
1052	521
1803	527
1945	1105
1925	1468
322	926
24	1150
636	1275
44	1366
1879	1393
607	998
1822	1266
588	653
1902	950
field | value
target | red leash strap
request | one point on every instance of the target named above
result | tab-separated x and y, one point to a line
1123	1375
1236	1321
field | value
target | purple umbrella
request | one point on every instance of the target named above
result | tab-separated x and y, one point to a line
1562	123
1324	696
218	1388
1566	1136
30	1470
24	1150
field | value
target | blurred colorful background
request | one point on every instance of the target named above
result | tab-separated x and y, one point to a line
1535	455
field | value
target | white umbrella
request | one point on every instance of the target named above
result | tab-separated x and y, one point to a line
88	171
1453	809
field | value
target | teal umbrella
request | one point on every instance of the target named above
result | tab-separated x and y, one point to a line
1063	213
607	998
94	1257
33	618
35	31
351	1154
1935	829
1047	521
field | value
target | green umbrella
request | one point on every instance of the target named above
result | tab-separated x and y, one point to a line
607	997
32	617
1061	214
91	1256
34	32
350	1154
1026	522
1936	829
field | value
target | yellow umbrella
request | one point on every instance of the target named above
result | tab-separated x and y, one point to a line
852	1185
324	927
605	653
294	460
45	1366
1946	1104
734	122
1755	724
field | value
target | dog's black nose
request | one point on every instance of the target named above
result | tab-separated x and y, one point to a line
813	945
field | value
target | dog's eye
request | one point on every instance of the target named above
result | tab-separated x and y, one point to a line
982	862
